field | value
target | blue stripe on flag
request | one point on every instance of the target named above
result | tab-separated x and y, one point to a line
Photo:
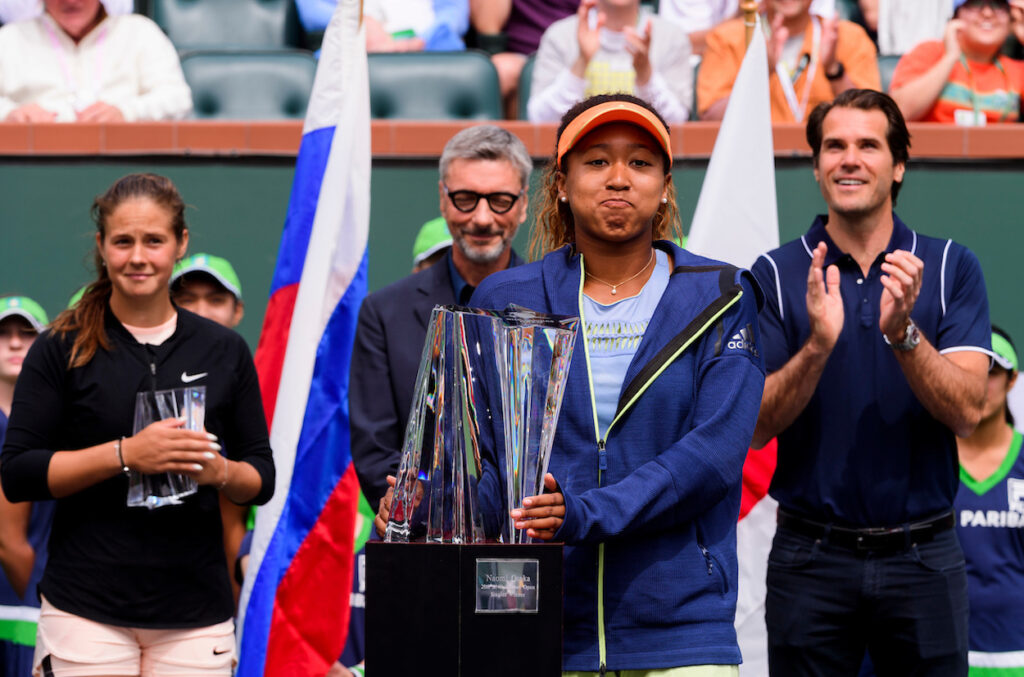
322	456
314	151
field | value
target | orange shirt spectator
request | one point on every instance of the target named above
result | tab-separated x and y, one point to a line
992	87
854	59
963	78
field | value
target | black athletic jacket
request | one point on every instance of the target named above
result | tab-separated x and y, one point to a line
135	567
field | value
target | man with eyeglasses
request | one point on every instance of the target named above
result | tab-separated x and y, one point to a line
963	78
485	175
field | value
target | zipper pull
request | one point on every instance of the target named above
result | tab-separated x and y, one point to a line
152	368
602	456
707	558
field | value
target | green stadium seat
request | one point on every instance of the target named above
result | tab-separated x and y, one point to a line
434	86
249	84
886	66
228	24
523	90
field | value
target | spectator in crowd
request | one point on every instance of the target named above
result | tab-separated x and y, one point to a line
399	25
963	78
698	17
431	244
646	465
24	527
812	59
76	63
23	10
510	31
129	590
209	287
875	341
990	524
611	46
485	174
900	26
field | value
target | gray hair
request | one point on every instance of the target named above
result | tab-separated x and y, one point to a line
488	142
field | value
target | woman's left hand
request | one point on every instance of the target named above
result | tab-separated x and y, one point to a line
542	515
639	45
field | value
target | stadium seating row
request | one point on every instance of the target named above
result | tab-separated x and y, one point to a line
246	84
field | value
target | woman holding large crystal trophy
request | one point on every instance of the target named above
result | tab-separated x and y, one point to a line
660	404
134	414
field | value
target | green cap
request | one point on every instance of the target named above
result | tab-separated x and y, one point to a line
23	306
77	296
1004	354
215	266
433	237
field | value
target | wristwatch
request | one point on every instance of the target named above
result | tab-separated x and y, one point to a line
840	71
910	340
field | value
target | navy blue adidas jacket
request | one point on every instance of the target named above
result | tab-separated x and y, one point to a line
652	503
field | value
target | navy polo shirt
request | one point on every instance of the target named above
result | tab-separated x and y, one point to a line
865	452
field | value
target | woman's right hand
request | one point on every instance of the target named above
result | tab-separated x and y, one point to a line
165	446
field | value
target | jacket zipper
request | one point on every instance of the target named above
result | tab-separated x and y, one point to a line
152	368
602	454
707	558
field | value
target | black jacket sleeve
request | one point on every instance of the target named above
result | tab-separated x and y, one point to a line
249	441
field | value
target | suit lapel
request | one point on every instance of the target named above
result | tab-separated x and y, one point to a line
434	288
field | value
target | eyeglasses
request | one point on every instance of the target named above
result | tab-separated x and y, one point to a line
978	5
466	200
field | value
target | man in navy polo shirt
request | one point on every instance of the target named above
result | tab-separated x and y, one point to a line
876	340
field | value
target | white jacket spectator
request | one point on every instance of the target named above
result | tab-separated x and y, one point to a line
23	10
75	63
633	53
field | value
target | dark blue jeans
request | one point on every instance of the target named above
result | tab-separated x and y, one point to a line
826	605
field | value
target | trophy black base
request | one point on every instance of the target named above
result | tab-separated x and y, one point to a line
469	610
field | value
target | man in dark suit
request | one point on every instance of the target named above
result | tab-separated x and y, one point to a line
485	174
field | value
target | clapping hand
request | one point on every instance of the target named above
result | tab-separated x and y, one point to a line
639	45
824	301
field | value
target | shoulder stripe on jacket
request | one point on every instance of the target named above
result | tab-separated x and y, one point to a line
942	277
778	284
803	241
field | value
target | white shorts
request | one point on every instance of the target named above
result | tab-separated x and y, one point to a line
72	646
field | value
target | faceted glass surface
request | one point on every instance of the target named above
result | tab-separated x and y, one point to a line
478	366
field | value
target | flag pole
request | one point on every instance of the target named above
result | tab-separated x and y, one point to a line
749	9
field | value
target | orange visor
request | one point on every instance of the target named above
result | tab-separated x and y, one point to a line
613	111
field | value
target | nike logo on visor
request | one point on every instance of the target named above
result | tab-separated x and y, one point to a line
188	378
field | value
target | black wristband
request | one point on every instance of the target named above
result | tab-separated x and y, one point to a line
840	72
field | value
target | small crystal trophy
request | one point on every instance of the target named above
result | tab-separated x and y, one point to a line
486	377
167	488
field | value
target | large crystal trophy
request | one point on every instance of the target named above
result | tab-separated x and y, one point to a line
489	382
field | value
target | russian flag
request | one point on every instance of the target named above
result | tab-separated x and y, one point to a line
295	603
736	220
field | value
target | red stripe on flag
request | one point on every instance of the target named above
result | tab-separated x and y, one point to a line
312	599
757	475
273	344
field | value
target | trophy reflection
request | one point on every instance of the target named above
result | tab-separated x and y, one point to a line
478	440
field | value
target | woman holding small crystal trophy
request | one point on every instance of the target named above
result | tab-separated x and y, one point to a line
660	404
120	415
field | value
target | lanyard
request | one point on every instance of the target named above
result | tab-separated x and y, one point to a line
79	99
798	107
1008	88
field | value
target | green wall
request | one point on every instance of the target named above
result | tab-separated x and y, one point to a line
237	208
